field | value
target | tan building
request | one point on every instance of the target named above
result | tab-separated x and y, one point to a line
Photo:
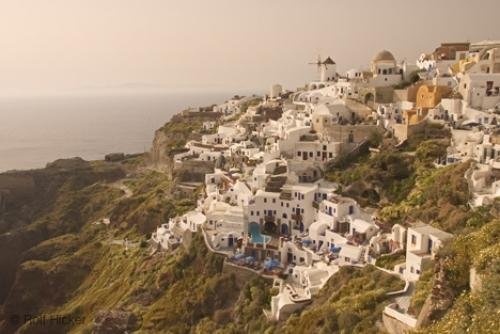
429	96
448	51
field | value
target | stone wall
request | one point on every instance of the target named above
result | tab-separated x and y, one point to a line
193	170
359	132
403	131
395	326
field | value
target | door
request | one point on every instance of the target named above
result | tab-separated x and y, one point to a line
284	229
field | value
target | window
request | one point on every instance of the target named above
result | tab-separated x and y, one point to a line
413	240
265	200
299	153
251	213
274	200
311	154
351	209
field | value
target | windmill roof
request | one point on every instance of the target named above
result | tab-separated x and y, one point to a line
329	61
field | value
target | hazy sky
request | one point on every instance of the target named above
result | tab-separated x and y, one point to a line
68	45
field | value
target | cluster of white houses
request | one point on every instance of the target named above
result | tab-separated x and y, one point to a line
266	204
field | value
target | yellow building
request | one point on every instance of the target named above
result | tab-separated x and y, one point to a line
430	96
414	116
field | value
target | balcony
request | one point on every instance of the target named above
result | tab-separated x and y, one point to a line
269	219
286	195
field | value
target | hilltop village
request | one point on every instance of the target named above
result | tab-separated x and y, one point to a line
362	202
267	203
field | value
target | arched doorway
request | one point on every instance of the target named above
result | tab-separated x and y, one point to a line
270	227
370	100
284	229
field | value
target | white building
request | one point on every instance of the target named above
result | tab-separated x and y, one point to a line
288	212
484	183
238	194
481	90
385	70
422	244
275	91
222	216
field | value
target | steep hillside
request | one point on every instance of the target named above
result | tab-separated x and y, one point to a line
172	137
60	258
351	302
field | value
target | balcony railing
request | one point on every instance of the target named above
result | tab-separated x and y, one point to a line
269	219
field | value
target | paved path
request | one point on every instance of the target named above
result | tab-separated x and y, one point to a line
126	244
123	187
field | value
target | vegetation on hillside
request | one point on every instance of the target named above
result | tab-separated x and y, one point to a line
152	203
390	260
457	308
351	302
386	177
65	261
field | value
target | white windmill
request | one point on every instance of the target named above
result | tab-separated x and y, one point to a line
327	69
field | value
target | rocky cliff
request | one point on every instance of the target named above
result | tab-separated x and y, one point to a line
171	138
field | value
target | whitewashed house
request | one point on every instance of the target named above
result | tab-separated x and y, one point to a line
422	244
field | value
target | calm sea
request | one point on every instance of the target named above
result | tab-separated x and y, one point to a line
34	131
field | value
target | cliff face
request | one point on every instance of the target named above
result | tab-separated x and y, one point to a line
171	138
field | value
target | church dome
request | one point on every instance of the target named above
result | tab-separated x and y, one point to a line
384	55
